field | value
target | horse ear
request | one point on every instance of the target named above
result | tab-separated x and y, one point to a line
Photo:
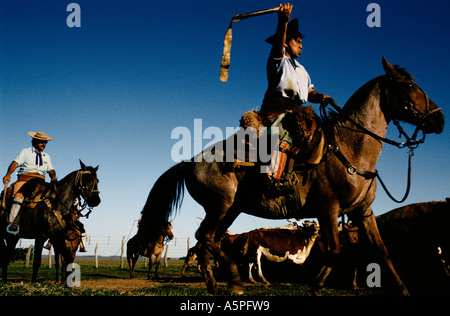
96	168
388	67
82	165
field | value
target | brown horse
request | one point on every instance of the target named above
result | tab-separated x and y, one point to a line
343	183
66	243
137	246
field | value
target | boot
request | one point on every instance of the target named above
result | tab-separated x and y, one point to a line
13	228
277	184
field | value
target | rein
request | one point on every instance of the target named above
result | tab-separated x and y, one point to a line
411	142
81	207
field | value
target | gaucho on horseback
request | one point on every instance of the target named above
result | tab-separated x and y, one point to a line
33	164
289	88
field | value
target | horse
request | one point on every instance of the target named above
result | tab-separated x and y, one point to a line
136	246
354	137
49	214
65	244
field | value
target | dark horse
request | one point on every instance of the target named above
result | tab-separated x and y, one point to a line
334	187
49	215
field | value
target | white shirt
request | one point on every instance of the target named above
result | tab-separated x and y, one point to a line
29	164
288	77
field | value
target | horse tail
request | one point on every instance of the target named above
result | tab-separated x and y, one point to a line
164	198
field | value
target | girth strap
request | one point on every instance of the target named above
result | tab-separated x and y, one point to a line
350	168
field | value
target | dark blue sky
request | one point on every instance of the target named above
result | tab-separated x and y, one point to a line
112	91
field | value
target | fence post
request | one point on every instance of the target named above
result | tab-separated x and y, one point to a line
27	258
122	252
96	257
50	257
165	256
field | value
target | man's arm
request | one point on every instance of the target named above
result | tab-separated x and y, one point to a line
284	15
11	169
52	174
316	97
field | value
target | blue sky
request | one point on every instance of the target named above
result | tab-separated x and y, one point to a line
112	91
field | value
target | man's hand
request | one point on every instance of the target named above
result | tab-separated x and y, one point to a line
284	14
6	179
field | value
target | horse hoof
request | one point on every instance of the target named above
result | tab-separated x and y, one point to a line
236	289
317	291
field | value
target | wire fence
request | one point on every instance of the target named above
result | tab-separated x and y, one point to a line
115	246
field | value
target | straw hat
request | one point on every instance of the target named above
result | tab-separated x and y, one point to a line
40	136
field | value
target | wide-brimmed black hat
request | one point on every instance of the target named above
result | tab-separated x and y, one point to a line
291	32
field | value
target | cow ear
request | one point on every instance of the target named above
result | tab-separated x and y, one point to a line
388	68
82	165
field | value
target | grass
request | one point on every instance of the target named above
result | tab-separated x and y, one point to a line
170	283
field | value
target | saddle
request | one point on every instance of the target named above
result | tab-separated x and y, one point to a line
304	127
34	191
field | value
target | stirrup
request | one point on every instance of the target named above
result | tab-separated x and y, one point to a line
12	232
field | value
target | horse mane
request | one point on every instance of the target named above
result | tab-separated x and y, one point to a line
73	173
336	122
401	74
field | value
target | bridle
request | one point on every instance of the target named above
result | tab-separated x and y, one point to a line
84	191
409	105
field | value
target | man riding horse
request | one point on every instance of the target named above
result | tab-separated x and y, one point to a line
33	164
289	87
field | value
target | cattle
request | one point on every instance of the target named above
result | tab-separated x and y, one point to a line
136	246
276	244
417	237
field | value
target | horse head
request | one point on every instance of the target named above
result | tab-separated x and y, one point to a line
87	184
167	231
409	103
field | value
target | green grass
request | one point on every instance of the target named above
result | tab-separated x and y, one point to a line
170	284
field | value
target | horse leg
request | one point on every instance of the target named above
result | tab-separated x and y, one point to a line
57	254
205	263
4	258
8	246
330	238
150	264
209	234
132	262
157	261
38	246
370	228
